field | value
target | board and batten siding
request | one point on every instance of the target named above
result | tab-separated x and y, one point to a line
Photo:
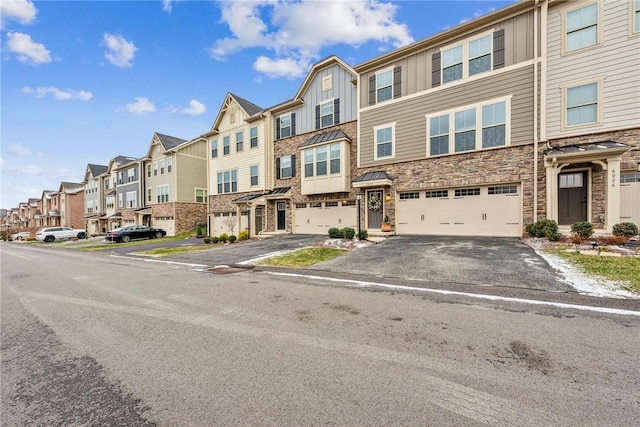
616	60
417	67
411	124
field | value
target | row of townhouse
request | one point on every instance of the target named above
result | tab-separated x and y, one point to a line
529	112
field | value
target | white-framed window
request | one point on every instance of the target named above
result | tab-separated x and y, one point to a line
120	178
480	55
327	82
214	148
635	16
226	145
155	168
162	192
581	104
131	199
120	200
89	206
253	173
581	27
285	126
253	136
227	181
384	141
452	60
466	59
285	168
149	170
201	195
469	128
334	158
149	194
570	180
326	113
239	143
131	175
169	164
322	160
109	202
309	162
384	85
162	167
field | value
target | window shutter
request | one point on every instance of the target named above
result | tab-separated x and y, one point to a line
317	116
435	69
397	81
277	128
336	111
293	124
372	90
293	165
278	168
498	49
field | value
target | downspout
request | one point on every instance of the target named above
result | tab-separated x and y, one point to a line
535	111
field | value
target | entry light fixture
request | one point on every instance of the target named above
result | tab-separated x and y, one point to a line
387	197
638	166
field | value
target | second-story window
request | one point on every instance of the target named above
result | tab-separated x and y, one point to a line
384	136
162	192
326	113
239	138
286	167
120	178
253	134
131	198
169	164
285	126
384	85
226	149
452	64
149	170
480	55
581	27
253	171
581	104
155	168
162	167
227	181
131	175
149	195
214	148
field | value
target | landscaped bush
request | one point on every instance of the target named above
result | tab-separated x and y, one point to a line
611	240
243	235
348	233
544	228
232	238
363	235
335	233
223	237
583	229
627	229
215	239
207	240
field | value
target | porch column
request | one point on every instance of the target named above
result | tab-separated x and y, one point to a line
552	190
612	193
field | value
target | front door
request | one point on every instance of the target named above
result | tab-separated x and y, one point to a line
281	215
258	219
572	198
374	208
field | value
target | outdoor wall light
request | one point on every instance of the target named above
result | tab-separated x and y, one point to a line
387	197
638	166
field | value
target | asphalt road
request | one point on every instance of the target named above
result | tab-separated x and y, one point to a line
89	339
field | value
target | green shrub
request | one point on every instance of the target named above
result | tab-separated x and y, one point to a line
243	235
232	238
363	235
627	229
348	233
544	228
215	239
223	237
583	229
207	240
335	233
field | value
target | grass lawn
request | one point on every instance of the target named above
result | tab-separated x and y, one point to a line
303	257
179	250
625	270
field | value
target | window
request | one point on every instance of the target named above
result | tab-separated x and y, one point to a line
636	16
109	202
226	149
162	167
465	130
131	198
467	192
120	200
201	195
334	152
321	160
452	64
571	180
120	178
149	170
630	177
480	55
149	195
327	83
228	182
285	168
214	148
155	168
253	173
411	195
169	164
483	126
308	162
131	175
384	86
437	194
163	193
384	136
504	189
239	138
581	27
326	114
285	126
253	135
581	104
439	135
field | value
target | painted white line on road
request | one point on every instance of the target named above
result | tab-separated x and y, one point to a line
159	260
364	284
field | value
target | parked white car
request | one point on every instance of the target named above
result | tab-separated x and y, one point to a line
23	235
50	234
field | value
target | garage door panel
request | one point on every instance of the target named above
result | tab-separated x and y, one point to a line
313	219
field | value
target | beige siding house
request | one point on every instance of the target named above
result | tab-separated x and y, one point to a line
591	80
447	129
175	184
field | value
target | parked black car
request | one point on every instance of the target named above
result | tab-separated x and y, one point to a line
133	232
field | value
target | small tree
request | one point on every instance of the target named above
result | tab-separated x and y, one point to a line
230	222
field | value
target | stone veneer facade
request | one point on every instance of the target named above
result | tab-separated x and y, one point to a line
185	215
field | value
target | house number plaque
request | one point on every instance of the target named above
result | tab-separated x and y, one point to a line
613	178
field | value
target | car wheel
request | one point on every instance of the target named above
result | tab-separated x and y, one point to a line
82	235
125	239
18	238
158	234
49	239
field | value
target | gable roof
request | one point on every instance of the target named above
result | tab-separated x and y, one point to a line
169	142
71	187
248	107
251	108
97	169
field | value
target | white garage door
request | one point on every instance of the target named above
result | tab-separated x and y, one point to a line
319	217
476	211
168	225
226	221
630	197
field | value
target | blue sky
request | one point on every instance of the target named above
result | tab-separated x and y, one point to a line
85	81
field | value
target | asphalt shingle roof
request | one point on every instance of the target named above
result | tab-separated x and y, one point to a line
169	142
247	106
97	169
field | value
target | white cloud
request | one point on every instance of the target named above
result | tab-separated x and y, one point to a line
120	52
60	95
298	31
195	108
27	50
22	11
478	13
141	105
30	170
19	150
167	5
